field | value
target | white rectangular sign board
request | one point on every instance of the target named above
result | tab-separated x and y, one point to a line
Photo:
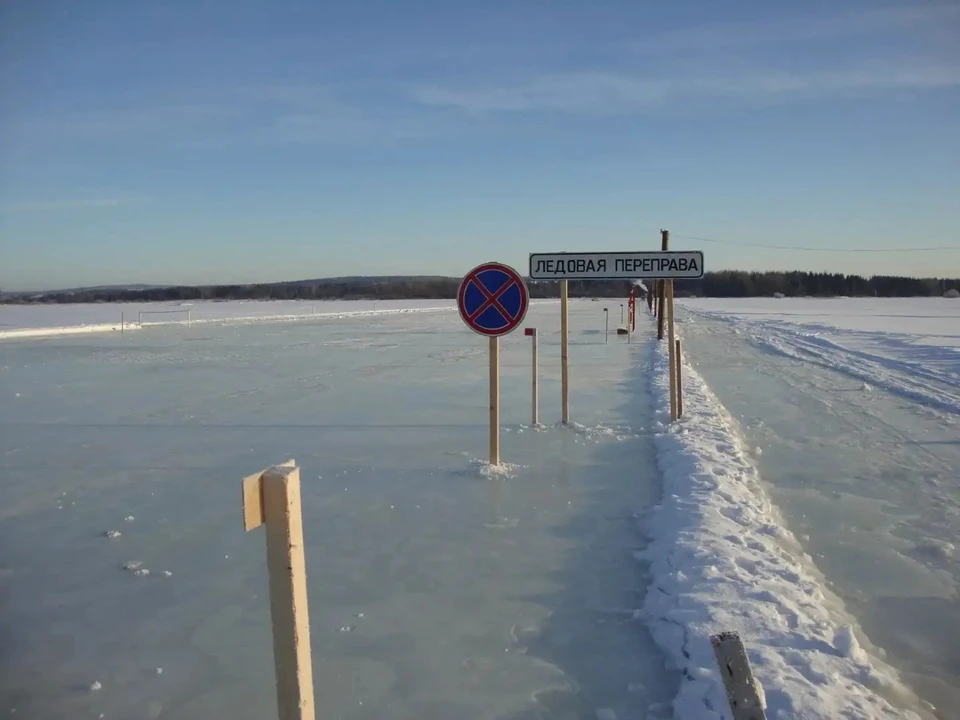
671	265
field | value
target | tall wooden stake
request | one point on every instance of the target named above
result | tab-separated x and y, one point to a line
564	366
494	401
535	380
679	361
664	246
272	498
672	352
606	325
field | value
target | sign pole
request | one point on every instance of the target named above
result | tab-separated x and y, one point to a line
536	368
564	355
679	379
672	352
664	246
493	301
495	401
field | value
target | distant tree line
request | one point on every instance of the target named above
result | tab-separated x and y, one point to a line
725	283
736	283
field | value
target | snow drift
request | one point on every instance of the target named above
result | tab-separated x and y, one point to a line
721	560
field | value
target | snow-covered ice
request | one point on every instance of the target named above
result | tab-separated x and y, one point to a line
909	346
866	474
722	560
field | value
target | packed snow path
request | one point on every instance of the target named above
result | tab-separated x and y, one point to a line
866	474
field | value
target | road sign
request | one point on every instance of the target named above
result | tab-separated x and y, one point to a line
493	299
667	265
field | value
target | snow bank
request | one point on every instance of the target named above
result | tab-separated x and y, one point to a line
721	560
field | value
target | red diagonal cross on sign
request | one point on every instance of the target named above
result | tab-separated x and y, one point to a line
492	299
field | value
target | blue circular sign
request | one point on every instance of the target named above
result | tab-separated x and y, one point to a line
493	299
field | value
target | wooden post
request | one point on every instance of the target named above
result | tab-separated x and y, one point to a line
671	352
272	498
121	322
536	371
564	353
679	361
606	325
494	401
621	314
664	246
140	318
650	296
746	703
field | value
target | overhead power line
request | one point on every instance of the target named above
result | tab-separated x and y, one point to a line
942	248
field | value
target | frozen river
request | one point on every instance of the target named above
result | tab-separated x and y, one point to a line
436	589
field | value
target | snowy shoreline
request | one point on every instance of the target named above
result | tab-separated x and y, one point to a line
721	560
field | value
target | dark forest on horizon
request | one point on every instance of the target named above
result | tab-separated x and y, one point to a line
725	283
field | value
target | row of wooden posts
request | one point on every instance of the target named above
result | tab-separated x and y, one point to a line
272	498
660	301
743	695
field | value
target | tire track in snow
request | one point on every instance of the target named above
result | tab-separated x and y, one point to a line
941	391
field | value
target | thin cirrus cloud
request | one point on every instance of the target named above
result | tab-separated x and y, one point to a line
878	51
615	92
48	206
714	37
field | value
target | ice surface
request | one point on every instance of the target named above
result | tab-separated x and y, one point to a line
469	594
867	476
722	560
910	346
35	321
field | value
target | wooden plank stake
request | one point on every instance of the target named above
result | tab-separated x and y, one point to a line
121	322
746	702
535	361
564	353
272	498
606	325
679	360
494	401
672	352
664	246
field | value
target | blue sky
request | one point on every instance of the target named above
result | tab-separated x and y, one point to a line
208	142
